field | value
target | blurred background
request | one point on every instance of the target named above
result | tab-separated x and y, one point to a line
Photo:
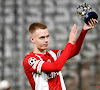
81	72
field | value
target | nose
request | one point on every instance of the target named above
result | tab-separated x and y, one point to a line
46	39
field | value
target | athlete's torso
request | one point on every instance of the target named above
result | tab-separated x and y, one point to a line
38	79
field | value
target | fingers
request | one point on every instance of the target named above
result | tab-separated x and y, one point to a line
76	32
92	22
73	34
74	29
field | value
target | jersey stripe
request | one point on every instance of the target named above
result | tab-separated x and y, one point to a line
41	82
39	57
39	66
59	53
61	78
53	55
34	66
62	81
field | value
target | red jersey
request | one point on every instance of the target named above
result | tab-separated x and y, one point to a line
44	70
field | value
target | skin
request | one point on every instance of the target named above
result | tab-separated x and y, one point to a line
91	24
40	38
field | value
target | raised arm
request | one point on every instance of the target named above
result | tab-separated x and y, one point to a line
59	63
39	65
78	43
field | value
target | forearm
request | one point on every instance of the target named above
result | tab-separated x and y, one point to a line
78	43
59	63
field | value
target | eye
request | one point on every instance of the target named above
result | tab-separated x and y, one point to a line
42	37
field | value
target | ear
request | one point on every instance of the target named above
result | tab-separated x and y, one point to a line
32	39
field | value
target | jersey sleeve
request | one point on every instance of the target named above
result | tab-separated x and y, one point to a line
32	64
59	63
76	47
78	43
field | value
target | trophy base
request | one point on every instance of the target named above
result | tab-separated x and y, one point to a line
89	16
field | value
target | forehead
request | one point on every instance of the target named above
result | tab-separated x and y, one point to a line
41	32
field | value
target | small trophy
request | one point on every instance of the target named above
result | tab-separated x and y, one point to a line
85	11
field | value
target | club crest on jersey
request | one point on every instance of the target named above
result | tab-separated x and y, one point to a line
31	61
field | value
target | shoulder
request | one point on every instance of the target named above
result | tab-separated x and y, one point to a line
30	59
30	55
32	63
27	57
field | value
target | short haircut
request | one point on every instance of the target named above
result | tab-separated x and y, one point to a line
35	26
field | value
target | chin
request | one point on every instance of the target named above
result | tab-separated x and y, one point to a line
45	48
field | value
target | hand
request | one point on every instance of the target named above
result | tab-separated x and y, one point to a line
91	24
73	34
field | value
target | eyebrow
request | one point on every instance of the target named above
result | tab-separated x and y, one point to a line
48	35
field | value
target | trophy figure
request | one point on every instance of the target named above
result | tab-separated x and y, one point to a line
85	11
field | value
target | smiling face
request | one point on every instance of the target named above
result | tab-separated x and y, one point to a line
40	39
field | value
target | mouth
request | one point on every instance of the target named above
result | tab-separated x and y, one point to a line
45	45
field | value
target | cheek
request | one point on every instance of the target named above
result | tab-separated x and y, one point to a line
48	40
39	43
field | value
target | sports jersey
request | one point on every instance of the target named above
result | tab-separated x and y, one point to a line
44	70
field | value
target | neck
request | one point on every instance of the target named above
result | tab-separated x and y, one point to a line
39	51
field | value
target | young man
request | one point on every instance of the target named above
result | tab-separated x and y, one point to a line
43	68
